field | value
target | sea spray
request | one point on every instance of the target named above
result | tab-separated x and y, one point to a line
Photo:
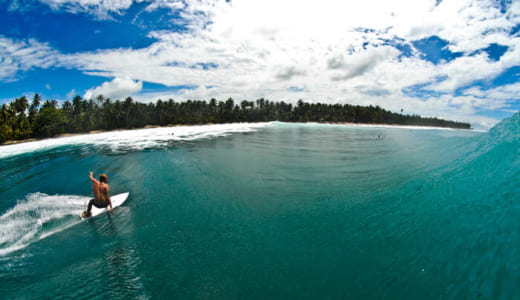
36	217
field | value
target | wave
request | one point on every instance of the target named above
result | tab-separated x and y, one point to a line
36	217
507	131
489	170
501	142
137	139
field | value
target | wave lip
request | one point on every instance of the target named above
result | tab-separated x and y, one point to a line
136	139
37	217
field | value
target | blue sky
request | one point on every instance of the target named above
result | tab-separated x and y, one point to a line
452	59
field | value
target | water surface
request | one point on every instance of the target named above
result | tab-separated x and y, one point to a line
271	210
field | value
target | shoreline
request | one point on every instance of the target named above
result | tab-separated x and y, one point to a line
62	135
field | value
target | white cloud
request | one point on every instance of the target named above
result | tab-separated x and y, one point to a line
22	56
337	50
465	70
286	73
71	94
100	8
264	38
360	63
494	98
170	4
115	89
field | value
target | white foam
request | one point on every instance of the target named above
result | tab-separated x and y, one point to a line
24	223
133	139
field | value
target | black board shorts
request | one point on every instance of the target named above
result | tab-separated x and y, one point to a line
99	204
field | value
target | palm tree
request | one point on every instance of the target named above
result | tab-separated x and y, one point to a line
20	105
5	114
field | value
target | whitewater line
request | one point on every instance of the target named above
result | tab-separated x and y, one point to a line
134	139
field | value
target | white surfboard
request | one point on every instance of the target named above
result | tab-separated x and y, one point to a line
117	200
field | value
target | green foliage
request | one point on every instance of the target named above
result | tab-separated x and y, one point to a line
33	109
20	123
104	114
50	121
6	131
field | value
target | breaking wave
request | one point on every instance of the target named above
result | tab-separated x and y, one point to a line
137	139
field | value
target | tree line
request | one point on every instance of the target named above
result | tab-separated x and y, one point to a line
41	119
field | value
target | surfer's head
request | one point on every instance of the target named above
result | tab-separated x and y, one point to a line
103	178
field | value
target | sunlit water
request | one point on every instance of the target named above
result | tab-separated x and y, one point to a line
260	211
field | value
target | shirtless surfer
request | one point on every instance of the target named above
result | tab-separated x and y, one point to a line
101	195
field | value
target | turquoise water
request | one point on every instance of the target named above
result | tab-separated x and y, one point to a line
260	211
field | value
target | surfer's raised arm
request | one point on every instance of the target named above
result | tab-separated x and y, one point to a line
94	180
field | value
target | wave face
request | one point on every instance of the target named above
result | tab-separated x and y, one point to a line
274	210
469	210
493	159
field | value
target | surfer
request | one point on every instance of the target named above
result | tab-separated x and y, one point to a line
101	194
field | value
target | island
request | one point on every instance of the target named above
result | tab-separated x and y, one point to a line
21	120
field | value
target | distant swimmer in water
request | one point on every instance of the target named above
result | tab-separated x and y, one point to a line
101	194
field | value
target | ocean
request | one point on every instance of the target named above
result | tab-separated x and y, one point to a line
266	211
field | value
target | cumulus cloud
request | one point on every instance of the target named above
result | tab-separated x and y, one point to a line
465	70
115	89
358	64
